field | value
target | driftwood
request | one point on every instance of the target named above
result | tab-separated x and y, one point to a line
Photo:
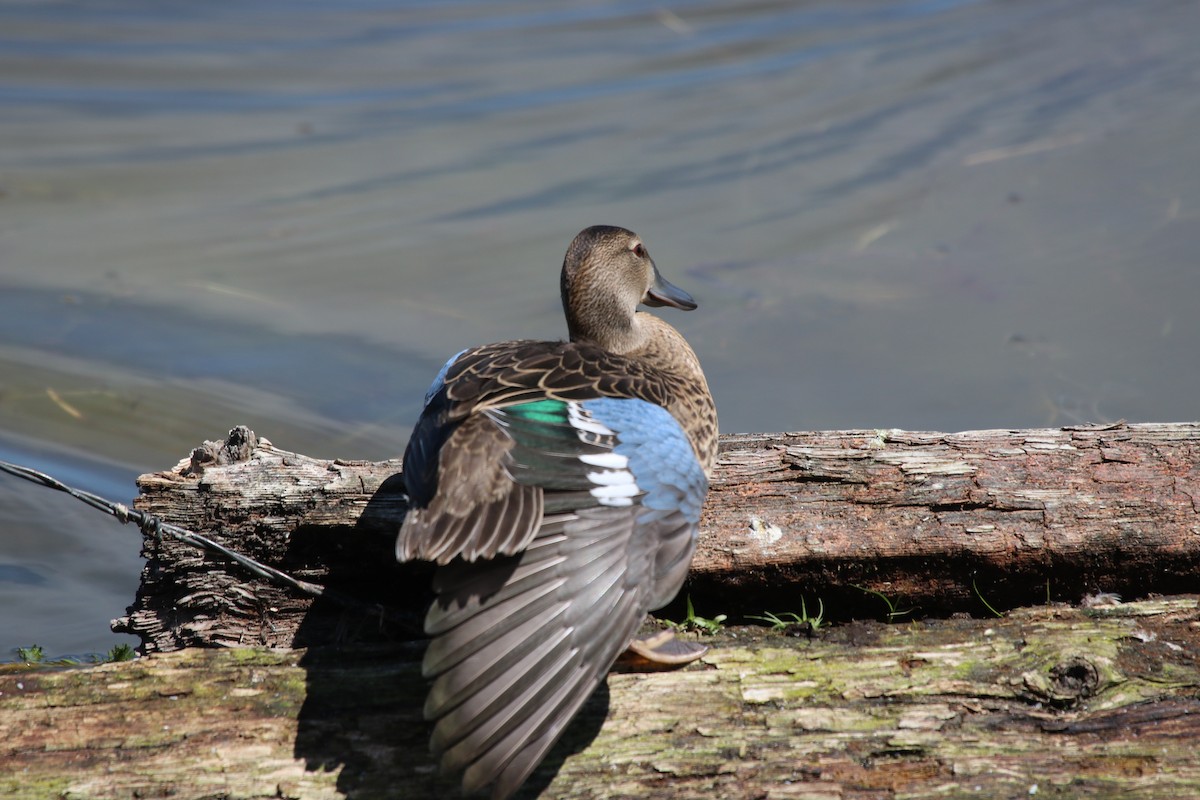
1046	702
932	523
1095	701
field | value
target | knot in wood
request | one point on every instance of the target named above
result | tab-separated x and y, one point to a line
1074	680
1065	685
237	446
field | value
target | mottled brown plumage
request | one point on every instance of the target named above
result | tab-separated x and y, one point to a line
500	374
531	506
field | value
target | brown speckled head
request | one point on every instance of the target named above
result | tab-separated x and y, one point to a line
606	274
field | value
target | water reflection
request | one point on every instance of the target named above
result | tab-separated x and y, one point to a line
940	215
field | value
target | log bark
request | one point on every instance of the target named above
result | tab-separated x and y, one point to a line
1048	701
868	522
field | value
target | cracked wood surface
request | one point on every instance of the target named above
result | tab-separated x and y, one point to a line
1067	511
1049	701
930	523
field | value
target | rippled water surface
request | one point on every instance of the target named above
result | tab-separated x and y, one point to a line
934	215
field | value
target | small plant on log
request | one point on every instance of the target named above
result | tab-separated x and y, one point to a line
35	656
983	599
121	652
892	611
692	622
790	622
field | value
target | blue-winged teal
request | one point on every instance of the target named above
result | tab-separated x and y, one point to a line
558	486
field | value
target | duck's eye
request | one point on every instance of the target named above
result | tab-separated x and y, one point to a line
639	250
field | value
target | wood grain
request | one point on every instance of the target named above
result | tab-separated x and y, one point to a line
1049	701
935	523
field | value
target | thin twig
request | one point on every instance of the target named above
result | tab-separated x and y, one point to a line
153	526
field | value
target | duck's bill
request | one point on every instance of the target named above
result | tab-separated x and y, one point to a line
664	293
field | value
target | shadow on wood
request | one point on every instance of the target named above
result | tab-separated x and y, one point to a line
362	710
1064	702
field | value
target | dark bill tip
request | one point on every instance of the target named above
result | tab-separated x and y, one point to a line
664	293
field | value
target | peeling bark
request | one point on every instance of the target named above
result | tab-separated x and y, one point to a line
932	523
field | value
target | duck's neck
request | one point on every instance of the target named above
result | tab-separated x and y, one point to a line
660	345
609	325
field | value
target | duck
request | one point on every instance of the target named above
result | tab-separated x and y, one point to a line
557	486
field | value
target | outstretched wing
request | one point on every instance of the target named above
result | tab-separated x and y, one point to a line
478	487
466	497
520	641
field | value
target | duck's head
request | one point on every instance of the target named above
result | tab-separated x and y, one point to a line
606	274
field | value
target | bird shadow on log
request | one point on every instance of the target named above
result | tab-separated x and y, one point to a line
362	710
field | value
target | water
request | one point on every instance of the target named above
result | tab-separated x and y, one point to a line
931	215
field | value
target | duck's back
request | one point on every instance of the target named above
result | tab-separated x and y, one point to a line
474	497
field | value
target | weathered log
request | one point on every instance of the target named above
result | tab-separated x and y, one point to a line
1048	701
932	522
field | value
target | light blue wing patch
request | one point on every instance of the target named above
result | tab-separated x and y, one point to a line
659	454
440	380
